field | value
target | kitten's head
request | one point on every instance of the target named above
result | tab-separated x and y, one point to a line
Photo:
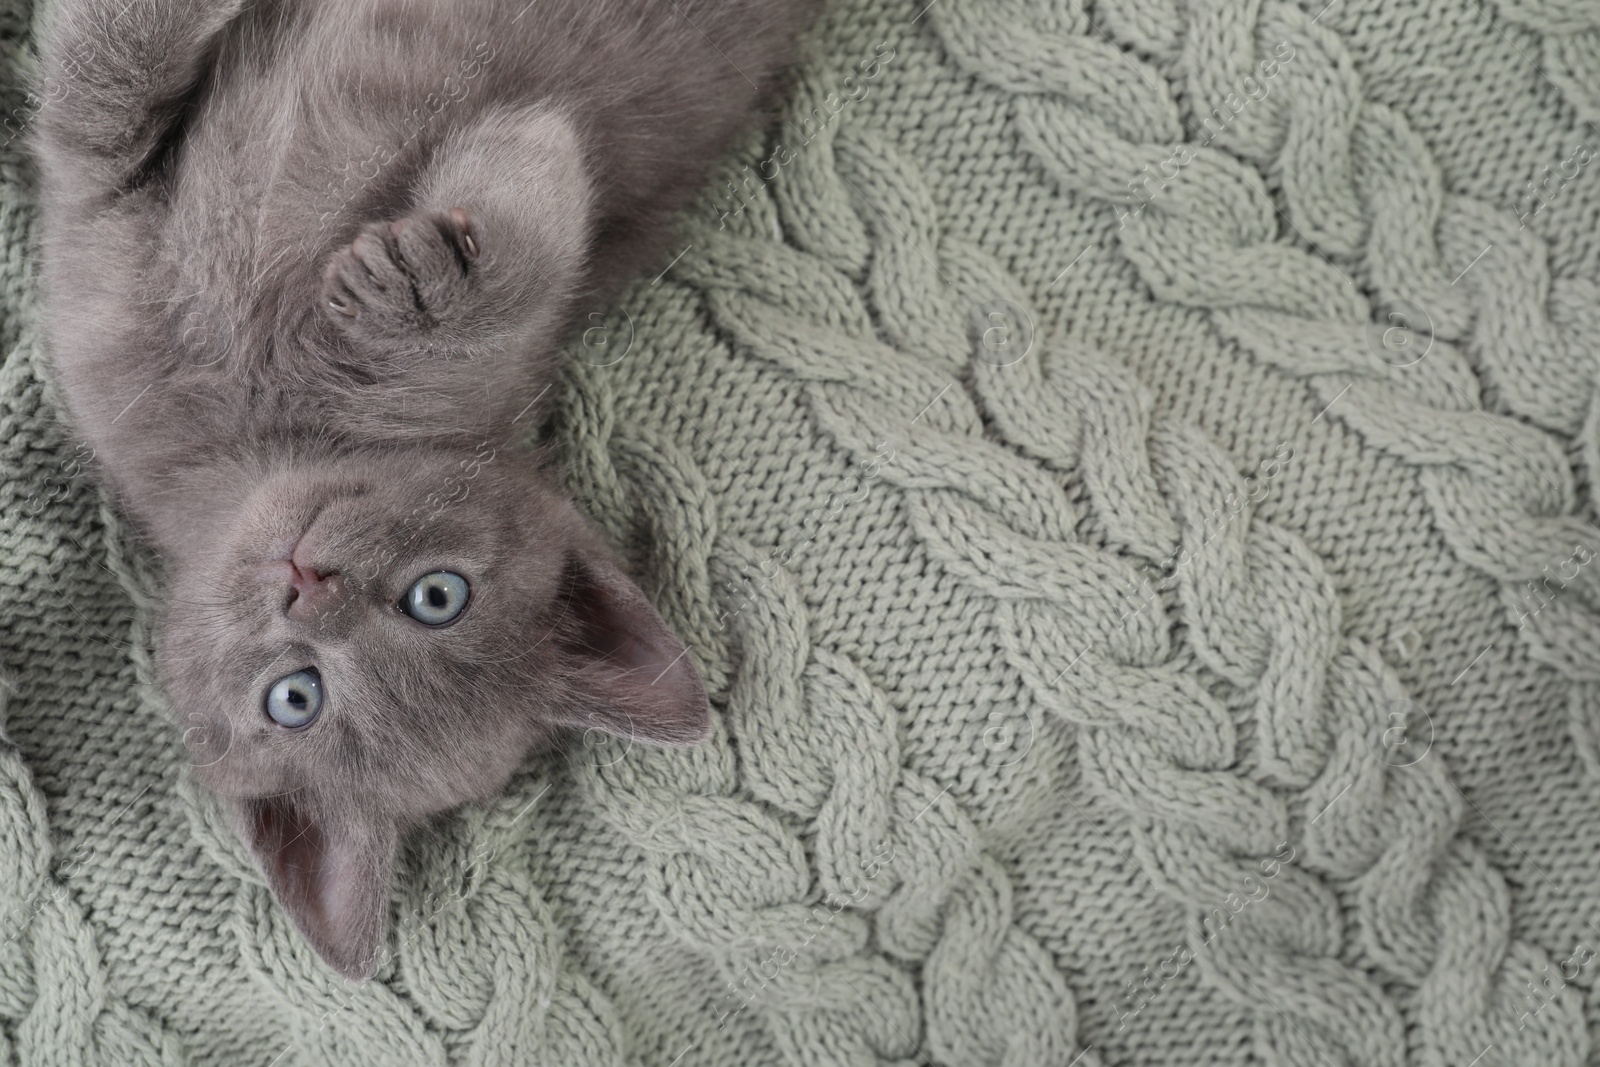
375	639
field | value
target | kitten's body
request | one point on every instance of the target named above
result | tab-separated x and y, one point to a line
210	270
307	265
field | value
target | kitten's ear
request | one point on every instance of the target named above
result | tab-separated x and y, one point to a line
331	875
634	677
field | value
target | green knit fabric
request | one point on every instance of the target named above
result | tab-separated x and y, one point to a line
1127	476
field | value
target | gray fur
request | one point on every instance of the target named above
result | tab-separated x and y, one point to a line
305	264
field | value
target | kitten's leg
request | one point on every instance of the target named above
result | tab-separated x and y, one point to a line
490	253
115	75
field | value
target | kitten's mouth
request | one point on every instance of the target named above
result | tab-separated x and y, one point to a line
306	580
293	552
294	565
299	579
299	560
303	580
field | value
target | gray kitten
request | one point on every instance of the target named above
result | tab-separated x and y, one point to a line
307	264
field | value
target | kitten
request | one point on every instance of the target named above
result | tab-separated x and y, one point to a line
306	265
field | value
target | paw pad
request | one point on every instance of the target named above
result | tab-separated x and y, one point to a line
402	276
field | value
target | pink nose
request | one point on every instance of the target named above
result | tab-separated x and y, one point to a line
313	594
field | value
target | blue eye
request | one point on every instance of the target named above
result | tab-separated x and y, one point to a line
437	598
295	700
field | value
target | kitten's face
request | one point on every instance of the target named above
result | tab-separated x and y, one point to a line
338	701
419	714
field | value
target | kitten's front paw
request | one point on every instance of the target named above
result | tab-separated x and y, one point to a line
398	281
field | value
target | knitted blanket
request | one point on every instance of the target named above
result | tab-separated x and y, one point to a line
1127	475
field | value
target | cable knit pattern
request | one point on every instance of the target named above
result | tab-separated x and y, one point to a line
1127	475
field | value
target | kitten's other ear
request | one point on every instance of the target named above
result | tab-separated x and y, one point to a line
634	677
331	875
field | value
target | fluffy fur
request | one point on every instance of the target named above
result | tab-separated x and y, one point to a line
307	264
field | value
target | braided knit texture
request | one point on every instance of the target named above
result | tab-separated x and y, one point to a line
1127	475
